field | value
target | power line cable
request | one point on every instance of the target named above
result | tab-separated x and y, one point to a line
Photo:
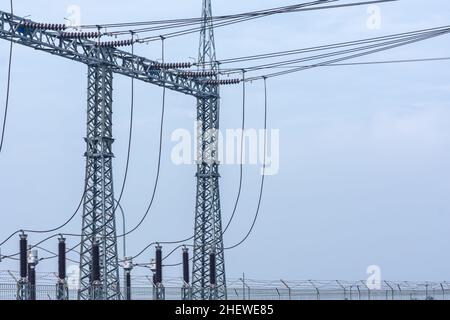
229	20
263	173
387	40
328	62
186	21
327	47
239	188
195	30
365	63
260	191
161	130
130	137
241	155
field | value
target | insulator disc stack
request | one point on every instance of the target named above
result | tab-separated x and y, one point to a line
44	26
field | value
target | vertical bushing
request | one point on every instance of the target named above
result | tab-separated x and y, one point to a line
186	265
62	258
32	281
23	255
128	284
95	262
158	277
212	268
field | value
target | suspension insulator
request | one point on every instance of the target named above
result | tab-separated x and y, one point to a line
44	26
115	44
172	65
80	35
200	74
223	82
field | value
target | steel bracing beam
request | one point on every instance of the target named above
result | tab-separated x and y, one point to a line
85	51
99	224
208	236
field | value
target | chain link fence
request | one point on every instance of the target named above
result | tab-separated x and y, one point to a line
248	289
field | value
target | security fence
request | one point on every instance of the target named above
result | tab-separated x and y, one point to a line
248	289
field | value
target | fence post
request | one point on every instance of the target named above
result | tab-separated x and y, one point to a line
392	289
400	289
286	285
317	289
278	292
345	291
443	291
368	289
243	286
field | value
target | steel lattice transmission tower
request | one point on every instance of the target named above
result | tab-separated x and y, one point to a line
208	222
98	211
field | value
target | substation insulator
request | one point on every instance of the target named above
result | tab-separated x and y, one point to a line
115	44
158	258
223	82
198	74
173	65
95	263
62	258
45	26
80	35
186	266
23	256
212	268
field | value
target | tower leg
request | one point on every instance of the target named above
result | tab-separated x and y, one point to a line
208	220
99	222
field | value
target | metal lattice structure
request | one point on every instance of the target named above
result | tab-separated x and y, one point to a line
98	210
99	222
208	220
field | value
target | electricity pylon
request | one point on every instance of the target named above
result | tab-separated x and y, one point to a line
99	223
104	59
208	221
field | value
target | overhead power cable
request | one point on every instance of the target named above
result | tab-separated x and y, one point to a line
130	137
158	169
263	174
183	241
332	46
241	156
226	23
260	190
366	51
199	20
368	63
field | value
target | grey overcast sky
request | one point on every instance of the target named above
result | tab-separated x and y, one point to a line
364	158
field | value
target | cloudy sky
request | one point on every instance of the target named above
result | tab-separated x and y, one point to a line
364	173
